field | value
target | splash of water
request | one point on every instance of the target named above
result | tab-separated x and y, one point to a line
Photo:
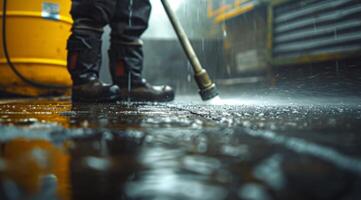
218	101
215	101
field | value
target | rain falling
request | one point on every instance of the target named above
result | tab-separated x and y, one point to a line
180	99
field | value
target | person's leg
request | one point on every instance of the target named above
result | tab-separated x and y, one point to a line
84	50
126	53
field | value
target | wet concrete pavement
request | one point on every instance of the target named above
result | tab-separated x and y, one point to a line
296	149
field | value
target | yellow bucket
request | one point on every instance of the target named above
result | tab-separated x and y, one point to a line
37	31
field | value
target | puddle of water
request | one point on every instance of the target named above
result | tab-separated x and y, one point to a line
154	164
53	149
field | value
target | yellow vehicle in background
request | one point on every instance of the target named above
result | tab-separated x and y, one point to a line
261	36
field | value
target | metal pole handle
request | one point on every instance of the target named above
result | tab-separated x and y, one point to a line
207	88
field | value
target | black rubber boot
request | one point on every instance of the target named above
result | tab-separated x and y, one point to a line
126	65
94	91
142	91
84	57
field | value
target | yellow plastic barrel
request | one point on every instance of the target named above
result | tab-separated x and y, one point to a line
37	31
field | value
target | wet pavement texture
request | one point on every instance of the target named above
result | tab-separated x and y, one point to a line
52	149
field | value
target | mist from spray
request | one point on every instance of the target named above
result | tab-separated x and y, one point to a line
218	101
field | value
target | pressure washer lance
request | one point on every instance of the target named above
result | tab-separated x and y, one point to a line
207	89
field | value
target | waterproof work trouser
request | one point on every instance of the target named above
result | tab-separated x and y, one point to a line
128	20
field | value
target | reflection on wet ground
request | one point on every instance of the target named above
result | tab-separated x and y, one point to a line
51	149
